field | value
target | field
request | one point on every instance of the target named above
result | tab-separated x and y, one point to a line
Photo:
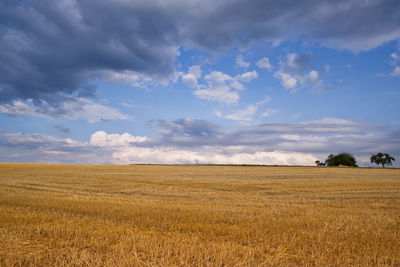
142	215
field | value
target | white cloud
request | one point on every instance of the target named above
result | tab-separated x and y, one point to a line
243	114
211	155
248	76
222	87
241	62
75	108
313	78
395	57
268	112
292	61
287	80
184	142
282	143
101	138
247	113
294	71
190	79
219	88
396	71
264	63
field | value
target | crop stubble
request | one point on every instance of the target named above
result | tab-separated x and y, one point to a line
152	215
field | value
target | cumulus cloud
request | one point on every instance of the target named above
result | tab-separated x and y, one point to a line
58	47
395	57
73	108
264	63
247	76
396	71
224	88
191	78
211	155
295	70
287	80
241	62
101	138
197	141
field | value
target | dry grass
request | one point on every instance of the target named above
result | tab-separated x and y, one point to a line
198	215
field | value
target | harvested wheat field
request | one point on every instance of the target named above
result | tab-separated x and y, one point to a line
143	215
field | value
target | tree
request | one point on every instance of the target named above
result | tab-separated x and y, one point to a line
345	159
382	159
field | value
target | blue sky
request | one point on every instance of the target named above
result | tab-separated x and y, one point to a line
244	82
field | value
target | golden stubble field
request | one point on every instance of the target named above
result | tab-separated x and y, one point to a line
63	215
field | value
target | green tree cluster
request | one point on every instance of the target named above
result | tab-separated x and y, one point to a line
319	163
342	159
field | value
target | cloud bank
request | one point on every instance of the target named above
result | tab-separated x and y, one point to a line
188	141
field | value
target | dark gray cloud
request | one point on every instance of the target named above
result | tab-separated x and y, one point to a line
50	49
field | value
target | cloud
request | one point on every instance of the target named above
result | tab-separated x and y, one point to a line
395	57
50	47
128	77
220	88
38	148
241	62
295	70
269	112
287	80
264	63
224	88
247	113
191	78
198	141
396	71
71	109
210	155
243	114
102	139
188	127
247	76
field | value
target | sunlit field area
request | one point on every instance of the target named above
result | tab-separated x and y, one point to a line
149	215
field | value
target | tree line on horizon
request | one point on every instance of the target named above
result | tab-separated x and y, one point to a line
347	159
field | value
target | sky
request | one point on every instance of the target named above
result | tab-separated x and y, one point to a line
199	82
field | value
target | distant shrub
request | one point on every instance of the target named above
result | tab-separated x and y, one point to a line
319	163
342	159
